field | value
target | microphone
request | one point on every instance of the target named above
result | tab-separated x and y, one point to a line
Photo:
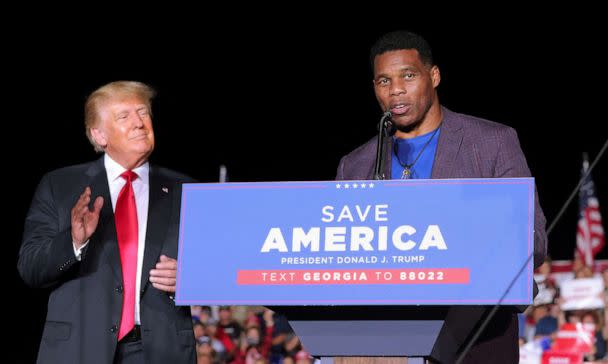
387	120
385	127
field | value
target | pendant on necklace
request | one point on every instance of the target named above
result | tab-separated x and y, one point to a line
406	173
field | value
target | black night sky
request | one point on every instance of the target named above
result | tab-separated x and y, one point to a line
282	100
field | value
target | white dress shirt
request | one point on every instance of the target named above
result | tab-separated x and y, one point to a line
141	189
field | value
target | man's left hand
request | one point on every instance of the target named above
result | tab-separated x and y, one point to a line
163	276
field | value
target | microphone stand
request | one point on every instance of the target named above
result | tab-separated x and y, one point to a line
383	131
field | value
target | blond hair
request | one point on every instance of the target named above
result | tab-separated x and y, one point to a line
113	90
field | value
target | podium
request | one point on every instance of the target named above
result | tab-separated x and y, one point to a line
368	272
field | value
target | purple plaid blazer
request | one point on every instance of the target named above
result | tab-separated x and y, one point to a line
469	147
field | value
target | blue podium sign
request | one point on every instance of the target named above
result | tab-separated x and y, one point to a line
397	242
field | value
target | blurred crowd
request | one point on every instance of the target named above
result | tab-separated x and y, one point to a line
245	335
561	313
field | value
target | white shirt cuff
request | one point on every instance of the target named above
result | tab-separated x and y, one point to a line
78	251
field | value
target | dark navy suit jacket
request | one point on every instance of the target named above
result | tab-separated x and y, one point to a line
85	304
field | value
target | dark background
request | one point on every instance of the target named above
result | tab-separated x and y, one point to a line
283	98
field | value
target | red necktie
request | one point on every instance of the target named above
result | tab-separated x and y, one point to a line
125	216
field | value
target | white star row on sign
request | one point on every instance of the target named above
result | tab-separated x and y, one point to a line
354	185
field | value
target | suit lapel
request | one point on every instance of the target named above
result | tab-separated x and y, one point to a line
448	145
105	236
159	215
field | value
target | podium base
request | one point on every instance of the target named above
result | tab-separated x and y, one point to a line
388	332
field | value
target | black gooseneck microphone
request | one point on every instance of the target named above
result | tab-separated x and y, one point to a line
384	128
549	229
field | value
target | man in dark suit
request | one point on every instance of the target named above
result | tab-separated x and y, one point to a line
431	141
103	236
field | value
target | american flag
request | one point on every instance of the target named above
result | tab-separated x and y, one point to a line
590	233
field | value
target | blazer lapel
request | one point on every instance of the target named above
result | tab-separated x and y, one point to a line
159	215
448	145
